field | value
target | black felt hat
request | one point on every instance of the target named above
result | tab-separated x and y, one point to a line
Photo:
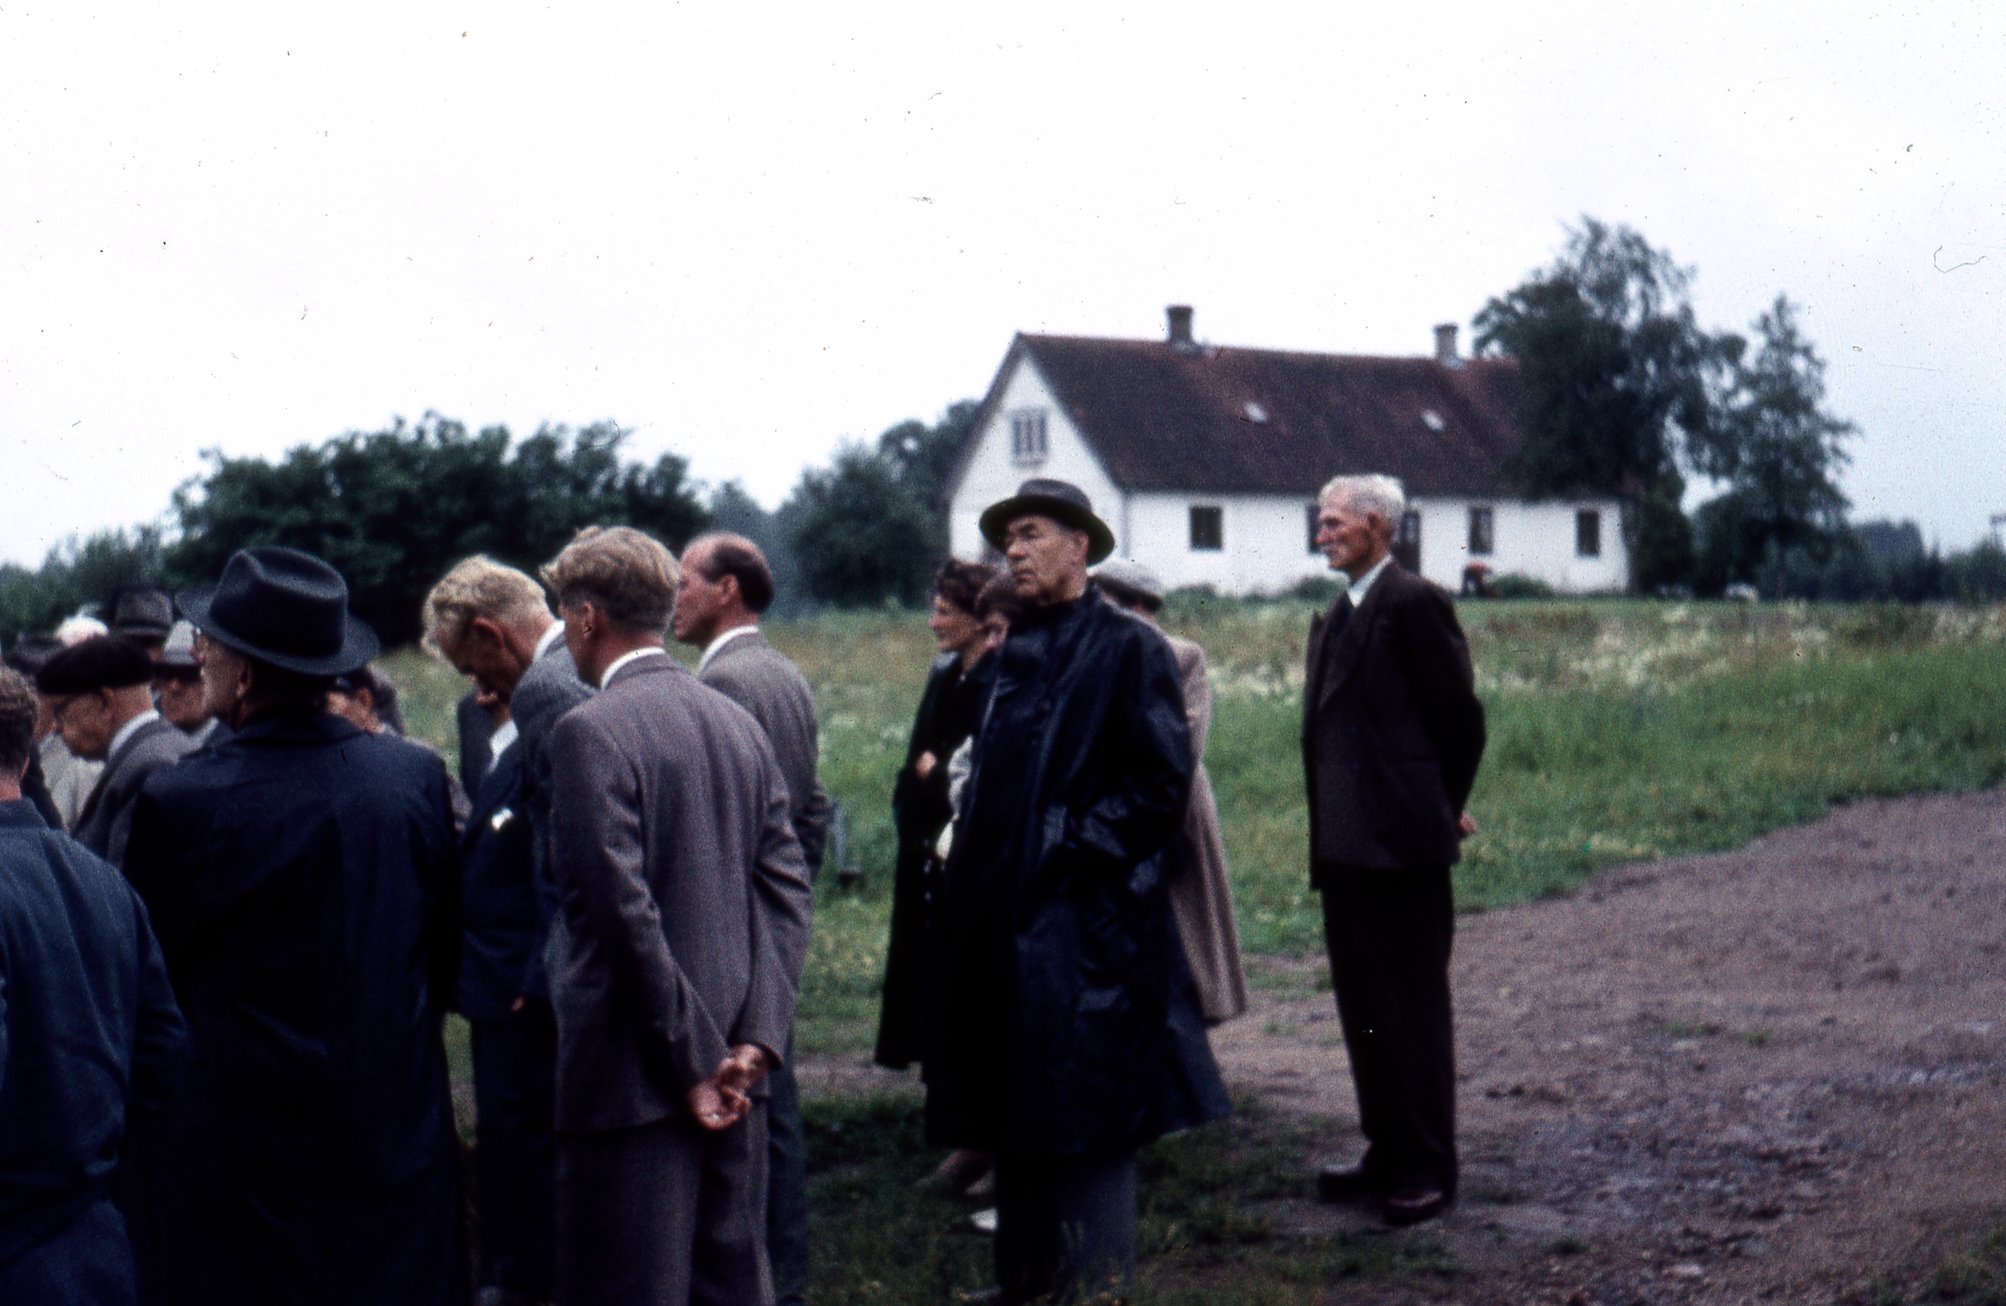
101	662
1062	501
282	607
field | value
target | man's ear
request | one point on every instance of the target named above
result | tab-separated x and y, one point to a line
488	629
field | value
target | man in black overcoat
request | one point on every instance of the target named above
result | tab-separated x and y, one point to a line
300	876
1062	1030
1392	733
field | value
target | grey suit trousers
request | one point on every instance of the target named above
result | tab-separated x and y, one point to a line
627	1204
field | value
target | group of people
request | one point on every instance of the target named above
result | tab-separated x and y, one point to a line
221	1073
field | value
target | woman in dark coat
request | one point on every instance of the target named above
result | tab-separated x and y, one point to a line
949	710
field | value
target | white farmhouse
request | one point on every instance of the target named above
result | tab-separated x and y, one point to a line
1206	460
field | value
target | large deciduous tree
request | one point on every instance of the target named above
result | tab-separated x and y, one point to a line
872	527
924	456
1623	393
1778	452
1614	369
862	538
1615	374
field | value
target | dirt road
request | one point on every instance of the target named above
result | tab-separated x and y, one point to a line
1773	1075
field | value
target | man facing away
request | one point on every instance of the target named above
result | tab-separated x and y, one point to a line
726	586
493	624
89	1033
676	957
299	875
1392	734
100	693
1061	1036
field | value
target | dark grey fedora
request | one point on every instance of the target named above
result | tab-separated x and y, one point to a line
283	607
143	613
1062	501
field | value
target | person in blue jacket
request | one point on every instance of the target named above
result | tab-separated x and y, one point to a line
89	1034
514	1043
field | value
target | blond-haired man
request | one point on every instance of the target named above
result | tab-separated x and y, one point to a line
492	623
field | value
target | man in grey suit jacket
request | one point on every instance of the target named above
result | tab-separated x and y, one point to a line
677	954
101	694
726	585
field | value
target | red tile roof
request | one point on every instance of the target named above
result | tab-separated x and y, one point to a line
1223	420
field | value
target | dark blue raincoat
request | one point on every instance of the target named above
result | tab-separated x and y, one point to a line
1061	1019
300	877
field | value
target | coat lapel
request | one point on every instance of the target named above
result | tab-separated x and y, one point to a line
114	764
1343	657
1313	677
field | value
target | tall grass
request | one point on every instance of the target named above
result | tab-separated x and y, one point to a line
1618	731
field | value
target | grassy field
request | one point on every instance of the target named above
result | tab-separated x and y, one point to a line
1618	731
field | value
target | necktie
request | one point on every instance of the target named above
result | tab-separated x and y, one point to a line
1339	615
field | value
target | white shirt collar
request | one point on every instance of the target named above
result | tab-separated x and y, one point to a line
129	729
1364	583
632	655
504	735
710	650
547	638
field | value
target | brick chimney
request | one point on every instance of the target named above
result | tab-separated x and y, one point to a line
1180	326
1445	345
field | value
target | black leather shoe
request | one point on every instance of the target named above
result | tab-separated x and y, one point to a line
1338	1184
1413	1203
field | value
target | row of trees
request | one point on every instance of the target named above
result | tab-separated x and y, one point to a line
393	509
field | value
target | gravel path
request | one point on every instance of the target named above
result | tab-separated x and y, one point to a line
1770	1075
1762	1076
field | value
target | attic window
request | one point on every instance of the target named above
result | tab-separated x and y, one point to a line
1256	414
1433	420
1027	436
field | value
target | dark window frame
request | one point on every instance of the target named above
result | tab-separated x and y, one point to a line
1483	530
1029	436
1588	533
1208	528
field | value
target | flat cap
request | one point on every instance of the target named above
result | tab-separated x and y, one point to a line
1130	580
101	662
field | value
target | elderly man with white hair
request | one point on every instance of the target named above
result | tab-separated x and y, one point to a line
1392	734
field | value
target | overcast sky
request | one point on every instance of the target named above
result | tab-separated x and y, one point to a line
749	232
